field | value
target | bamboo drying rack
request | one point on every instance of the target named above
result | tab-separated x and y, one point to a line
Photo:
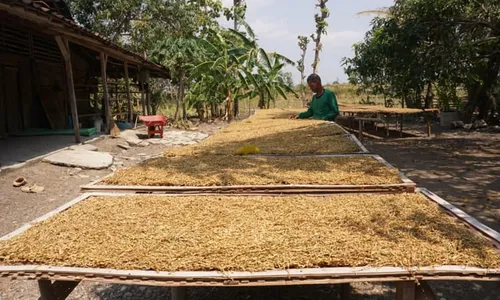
65	279
406	185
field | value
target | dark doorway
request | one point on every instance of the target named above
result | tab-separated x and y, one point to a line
12	101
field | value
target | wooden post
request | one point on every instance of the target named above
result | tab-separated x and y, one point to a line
345	291
129	99
405	290
104	76
46	290
59	290
178	293
148	100
428	122
66	53
401	130
360	133
143	101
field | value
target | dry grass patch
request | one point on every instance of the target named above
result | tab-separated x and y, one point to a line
220	170
250	234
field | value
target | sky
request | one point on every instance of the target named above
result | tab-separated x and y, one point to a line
277	23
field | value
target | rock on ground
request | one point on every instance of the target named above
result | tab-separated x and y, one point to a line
133	141
124	146
87	147
129	134
81	158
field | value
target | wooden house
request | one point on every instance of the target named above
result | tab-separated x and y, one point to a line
56	74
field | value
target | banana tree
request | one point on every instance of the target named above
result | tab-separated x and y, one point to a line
269	82
225	71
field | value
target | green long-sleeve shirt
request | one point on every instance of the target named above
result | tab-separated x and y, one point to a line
324	107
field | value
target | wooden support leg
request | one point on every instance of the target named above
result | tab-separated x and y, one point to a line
406	290
179	293
46	290
428	121
58	290
360	133
345	291
401	131
424	292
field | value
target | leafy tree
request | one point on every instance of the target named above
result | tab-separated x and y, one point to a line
321	26
422	45
303	43
180	55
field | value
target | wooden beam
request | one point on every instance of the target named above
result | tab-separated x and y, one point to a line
66	53
129	99
107	109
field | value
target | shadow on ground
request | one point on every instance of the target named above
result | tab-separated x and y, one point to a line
20	149
464	170
319	292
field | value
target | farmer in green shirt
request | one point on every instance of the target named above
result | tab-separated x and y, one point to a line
324	104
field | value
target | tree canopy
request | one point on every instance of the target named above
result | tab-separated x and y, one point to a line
210	65
424	46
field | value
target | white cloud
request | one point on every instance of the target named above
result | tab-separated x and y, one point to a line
251	4
266	29
341	38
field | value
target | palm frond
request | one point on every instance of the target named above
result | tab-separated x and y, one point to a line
281	92
246	41
282	58
248	28
265	57
381	12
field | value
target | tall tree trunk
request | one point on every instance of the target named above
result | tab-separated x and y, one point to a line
180	100
177	104
302	77
319	31
201	111
261	101
236	4
229	112
213	110
236	112
428	96
480	94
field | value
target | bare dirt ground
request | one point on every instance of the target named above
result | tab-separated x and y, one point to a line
462	167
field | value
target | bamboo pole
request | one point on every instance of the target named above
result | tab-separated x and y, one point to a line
66	53
107	109
129	99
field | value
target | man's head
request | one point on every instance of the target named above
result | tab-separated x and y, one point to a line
314	82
